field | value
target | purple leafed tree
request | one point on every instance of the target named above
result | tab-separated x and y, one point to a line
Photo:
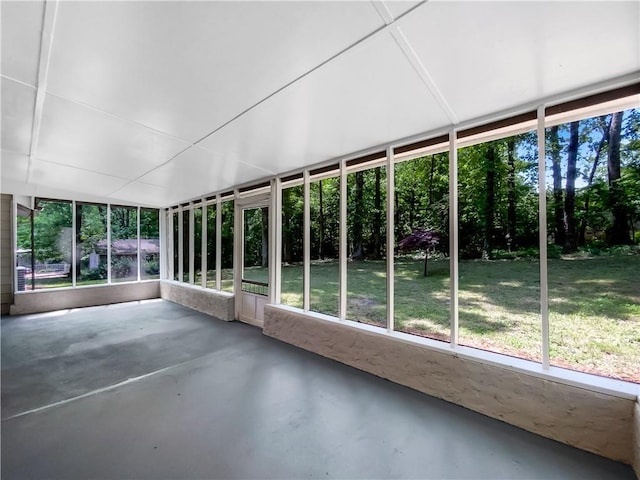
420	239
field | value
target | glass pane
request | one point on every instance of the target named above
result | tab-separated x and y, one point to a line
197	244
256	245
367	227
421	266
593	200
91	244
185	245
227	246
176	247
211	246
324	277
499	279
149	243
124	244
292	246
52	240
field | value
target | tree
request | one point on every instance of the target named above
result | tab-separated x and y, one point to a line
619	231
490	202
571	243
420	239
603	125
511	193
377	218
558	207
358	253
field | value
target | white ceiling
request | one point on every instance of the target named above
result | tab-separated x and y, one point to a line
161	102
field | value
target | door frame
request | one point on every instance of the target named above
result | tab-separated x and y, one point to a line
258	200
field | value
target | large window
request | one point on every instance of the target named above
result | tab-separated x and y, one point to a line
50	263
324	273
107	245
185	245
367	272
197	244
593	200
499	281
227	246
124	244
292	246
176	246
211	245
421	266
149	244
91	244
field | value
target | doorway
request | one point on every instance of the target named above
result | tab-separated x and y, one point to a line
252	284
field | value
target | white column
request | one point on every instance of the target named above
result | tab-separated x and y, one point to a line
307	243
390	239
166	249
218	243
343	241
203	249
276	193
192	243
542	226
108	242
139	262
453	233
180	246
74	253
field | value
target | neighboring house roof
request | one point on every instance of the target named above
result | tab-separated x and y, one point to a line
130	246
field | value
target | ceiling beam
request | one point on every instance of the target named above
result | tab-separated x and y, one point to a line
48	26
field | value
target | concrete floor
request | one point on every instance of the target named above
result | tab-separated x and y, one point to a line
227	402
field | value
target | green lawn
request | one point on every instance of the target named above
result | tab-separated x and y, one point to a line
594	305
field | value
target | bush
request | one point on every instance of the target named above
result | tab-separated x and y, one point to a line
99	273
121	267
152	267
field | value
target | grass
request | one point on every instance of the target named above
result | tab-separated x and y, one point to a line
594	305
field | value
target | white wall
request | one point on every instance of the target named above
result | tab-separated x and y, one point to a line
64	298
6	254
212	302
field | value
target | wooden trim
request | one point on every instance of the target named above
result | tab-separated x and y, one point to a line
254	187
367	158
421	144
591	100
505	122
289	178
329	168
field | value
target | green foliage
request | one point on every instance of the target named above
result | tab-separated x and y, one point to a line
98	273
123	267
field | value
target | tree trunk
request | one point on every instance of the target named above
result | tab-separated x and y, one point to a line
426	258
558	208
490	204
570	243
396	217
357	218
605	138
320	221
412	208
511	193
79	242
286	227
377	217
619	231
433	167
265	237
